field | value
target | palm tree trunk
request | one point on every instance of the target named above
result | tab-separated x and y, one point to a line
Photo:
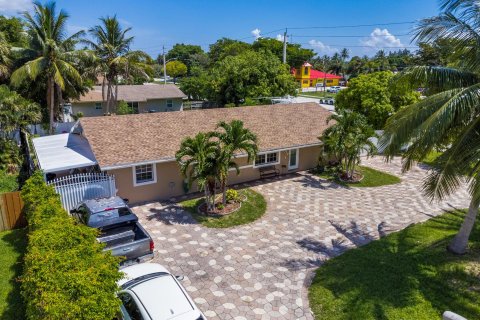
224	191
51	103
109	97
116	97
459	243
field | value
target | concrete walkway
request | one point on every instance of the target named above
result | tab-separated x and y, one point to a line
262	270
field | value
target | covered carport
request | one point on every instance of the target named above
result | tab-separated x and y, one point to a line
64	154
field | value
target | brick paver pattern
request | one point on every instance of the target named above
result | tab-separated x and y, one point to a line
262	270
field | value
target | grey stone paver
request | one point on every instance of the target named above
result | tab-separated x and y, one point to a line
262	270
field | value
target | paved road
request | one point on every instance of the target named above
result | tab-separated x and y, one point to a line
262	270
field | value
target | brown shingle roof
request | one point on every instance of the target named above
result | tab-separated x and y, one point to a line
132	93
129	139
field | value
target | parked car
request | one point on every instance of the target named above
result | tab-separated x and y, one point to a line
150	292
119	228
334	89
330	101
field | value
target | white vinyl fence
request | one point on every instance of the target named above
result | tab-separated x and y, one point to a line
76	188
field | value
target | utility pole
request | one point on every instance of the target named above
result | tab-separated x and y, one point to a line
164	68
285	46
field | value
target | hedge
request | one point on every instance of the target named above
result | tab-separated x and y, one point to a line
66	274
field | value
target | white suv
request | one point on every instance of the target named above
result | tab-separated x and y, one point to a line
150	292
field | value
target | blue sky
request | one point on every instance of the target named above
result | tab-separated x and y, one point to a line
157	23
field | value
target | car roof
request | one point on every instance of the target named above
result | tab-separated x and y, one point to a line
97	205
141	269
163	298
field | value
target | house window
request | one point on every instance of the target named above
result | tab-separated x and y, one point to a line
305	71
266	159
329	81
144	174
169	103
98	105
133	106
305	81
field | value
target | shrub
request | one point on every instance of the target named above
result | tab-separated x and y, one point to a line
232	195
66	273
123	108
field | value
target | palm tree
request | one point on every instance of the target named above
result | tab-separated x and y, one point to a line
449	117
347	139
197	158
344	55
112	46
49	53
234	139
5	61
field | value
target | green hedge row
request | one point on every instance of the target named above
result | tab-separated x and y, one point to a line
66	273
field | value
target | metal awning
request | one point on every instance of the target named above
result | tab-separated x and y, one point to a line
63	152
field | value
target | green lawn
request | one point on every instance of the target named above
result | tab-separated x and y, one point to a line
317	94
12	248
406	275
8	182
431	157
252	209
372	178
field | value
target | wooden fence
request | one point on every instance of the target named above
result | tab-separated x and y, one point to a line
11	216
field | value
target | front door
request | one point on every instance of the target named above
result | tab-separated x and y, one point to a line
293	159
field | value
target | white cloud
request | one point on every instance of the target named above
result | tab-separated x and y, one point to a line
280	37
381	38
14	6
321	48
256	33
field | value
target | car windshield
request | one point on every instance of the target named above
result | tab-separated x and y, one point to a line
110	213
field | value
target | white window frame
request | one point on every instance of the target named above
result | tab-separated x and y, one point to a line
170	103
255	165
154	171
98	106
296	161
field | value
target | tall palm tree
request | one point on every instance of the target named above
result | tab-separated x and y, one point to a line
112	45
234	138
49	54
344	55
348	138
197	158
449	117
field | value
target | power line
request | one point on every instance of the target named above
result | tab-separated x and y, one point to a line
350	36
355	26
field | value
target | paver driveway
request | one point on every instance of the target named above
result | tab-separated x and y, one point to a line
262	270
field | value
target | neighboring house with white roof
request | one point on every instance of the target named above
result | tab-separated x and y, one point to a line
141	98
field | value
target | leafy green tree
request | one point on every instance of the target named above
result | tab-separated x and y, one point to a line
112	46
176	69
123	108
250	74
226	47
198	160
234	138
296	55
347	138
190	55
449	117
372	96
198	86
12	28
49	54
5	61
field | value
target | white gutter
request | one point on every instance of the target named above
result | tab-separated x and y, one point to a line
171	159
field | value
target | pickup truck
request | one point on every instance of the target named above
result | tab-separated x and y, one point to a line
119	228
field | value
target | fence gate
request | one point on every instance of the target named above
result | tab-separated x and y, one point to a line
76	188
11	216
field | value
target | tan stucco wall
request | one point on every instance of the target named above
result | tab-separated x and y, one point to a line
170	181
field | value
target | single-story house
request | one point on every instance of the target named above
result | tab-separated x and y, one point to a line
139	150
141	98
306	76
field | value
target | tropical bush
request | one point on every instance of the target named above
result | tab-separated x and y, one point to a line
232	195
66	273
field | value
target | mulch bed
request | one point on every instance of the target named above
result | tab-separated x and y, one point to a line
231	207
357	177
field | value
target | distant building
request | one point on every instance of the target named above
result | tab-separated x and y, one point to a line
141	98
308	77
